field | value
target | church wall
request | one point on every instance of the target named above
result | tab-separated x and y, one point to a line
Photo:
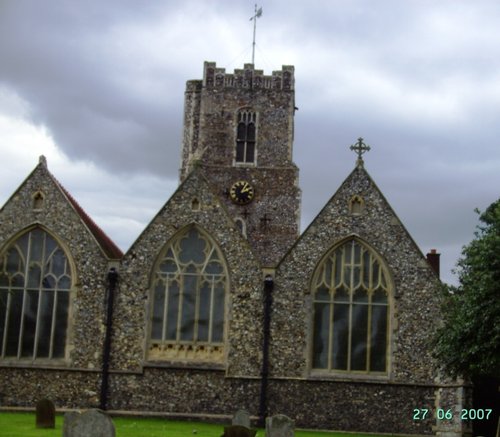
194	392
23	379
349	406
414	304
243	304
71	388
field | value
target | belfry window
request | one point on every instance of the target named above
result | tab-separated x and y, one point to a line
35	284
188	300
351	311
245	137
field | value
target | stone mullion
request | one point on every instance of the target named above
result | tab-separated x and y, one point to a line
179	310
166	292
53	321
40	288
211	310
197	307
330	332
26	281
349	340
369	292
368	335
6	322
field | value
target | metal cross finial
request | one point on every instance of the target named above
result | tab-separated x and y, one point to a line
258	13
360	147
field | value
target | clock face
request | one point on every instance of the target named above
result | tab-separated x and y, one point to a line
241	193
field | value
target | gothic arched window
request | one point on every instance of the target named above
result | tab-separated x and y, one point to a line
35	285
245	137
188	300
351	290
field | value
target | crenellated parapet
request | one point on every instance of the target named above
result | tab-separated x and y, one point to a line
248	78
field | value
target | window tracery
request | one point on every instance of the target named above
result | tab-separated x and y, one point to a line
351	311
188	300
35	285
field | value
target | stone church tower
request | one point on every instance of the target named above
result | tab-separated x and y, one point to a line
238	128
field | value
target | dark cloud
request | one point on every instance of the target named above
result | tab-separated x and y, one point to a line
419	80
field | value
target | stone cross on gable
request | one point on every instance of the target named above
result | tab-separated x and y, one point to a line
360	147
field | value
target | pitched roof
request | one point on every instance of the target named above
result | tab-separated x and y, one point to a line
107	245
110	249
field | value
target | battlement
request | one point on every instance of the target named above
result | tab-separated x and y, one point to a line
248	77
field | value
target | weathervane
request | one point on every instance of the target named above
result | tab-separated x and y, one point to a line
258	13
360	147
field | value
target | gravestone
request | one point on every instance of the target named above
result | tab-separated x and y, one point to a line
242	418
280	426
238	431
92	423
45	414
70	419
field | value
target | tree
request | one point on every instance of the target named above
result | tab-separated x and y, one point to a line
468	343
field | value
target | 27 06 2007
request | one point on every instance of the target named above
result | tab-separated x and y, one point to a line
449	414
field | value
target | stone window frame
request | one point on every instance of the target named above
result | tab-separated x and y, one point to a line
356	374
356	205
246	116
177	350
38	200
70	268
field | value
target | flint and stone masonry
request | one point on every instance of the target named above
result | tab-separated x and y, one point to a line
234	219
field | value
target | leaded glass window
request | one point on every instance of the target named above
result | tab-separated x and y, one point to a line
188	300
245	137
351	311
35	284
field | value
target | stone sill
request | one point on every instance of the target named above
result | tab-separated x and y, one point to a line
183	365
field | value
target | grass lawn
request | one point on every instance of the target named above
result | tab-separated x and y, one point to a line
23	425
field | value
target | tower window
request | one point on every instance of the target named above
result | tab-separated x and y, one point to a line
245	137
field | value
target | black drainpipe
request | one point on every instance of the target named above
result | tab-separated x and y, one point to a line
109	299
268	302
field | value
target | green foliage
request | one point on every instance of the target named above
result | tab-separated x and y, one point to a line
469	342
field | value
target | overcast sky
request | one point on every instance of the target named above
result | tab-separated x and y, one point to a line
97	87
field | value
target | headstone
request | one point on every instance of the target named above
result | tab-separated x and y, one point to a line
70	419
45	414
242	418
238	431
280	426
92	423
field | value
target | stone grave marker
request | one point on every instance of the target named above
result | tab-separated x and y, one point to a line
280	426
70	419
242	418
45	414
238	431
92	423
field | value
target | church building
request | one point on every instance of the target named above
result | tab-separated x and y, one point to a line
221	304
